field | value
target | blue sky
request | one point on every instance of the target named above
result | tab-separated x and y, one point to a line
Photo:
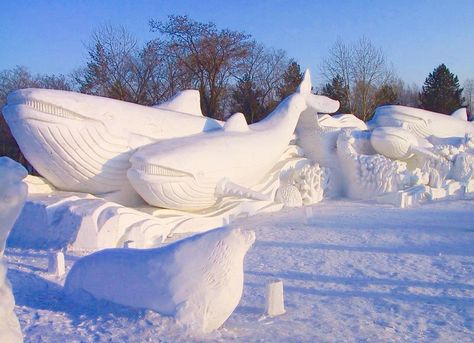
416	36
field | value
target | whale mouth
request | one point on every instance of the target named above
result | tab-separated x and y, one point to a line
157	170
45	107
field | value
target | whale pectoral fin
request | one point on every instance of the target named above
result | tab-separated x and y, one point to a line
187	101
227	188
418	150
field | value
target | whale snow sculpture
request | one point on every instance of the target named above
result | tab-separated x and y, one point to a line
13	193
423	123
83	143
198	280
193	173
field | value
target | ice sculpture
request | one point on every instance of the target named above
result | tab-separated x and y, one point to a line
193	173
83	143
13	193
198	280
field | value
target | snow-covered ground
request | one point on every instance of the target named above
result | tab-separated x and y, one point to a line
360	272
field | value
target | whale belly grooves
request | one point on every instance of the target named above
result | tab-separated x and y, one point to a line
84	159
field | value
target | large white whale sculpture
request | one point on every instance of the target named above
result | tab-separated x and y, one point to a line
193	173
12	197
83	143
423	123
198	280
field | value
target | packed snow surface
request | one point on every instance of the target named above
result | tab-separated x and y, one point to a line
359	272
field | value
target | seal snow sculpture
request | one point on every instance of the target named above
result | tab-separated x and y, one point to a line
13	193
83	143
193	173
198	280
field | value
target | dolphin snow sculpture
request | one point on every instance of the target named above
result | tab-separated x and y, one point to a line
83	143
423	123
193	173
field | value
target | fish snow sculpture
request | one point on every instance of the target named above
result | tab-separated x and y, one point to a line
193	173
422	123
83	143
198	280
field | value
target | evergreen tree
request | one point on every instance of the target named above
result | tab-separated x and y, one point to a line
337	91
291	80
247	98
441	91
385	95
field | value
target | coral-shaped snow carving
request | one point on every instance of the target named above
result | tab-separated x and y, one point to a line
368	176
463	168
12	197
311	181
198	280
289	196
437	170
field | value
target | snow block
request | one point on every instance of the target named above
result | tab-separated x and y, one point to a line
198	280
56	265
275	305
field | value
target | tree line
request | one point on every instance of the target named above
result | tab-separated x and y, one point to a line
359	76
233	73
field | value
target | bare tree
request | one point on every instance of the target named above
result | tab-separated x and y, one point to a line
369	72
18	78
209	55
469	95
407	95
363	69
119	68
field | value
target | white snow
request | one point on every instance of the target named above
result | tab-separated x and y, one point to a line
360	272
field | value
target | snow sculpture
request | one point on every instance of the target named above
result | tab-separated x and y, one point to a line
194	173
423	123
398	144
317	135
83	143
12	197
311	181
368	176
289	196
463	169
198	280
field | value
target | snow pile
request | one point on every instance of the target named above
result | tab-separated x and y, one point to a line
198	280
12	197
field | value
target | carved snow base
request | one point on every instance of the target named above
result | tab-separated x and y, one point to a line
420	193
78	221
